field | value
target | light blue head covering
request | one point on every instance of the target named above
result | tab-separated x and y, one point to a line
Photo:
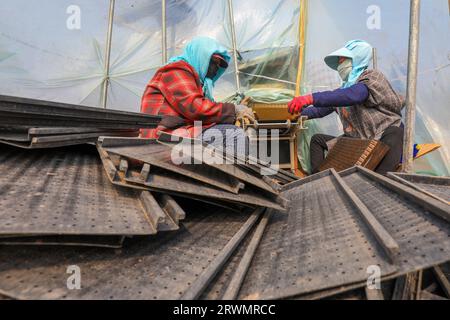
361	54
198	54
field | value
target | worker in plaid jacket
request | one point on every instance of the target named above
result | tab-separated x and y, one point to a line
182	93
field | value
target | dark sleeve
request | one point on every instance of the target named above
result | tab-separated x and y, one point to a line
315	113
354	95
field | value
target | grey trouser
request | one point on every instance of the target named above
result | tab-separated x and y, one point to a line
227	137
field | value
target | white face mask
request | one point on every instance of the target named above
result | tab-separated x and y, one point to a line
344	69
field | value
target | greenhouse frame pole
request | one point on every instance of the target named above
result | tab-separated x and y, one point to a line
301	45
374	58
411	91
233	41
108	53
164	31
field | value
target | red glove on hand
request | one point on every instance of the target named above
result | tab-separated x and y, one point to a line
297	105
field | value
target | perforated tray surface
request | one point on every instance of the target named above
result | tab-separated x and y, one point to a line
180	184
441	191
349	152
159	155
64	191
439	186
219	175
219	285
81	241
173	183
161	267
321	243
423	238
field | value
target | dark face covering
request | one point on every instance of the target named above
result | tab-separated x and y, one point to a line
215	64
212	69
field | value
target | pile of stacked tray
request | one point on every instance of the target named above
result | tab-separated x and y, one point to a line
52	137
87	204
63	197
339	230
71	205
86	197
32	124
150	164
348	235
239	228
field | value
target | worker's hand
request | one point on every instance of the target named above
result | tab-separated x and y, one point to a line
296	106
244	112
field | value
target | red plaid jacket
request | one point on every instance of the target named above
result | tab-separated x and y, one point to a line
175	93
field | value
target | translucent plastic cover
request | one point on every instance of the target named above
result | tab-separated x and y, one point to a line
55	50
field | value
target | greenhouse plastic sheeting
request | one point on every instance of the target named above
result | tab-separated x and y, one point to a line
137	47
44	55
385	24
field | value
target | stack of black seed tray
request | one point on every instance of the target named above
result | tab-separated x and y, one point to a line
342	232
148	164
235	228
63	197
339	228
36	124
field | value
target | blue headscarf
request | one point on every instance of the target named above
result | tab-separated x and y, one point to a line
198	53
361	54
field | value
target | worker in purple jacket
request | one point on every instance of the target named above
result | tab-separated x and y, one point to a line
367	105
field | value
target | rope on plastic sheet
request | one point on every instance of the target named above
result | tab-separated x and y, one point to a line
268	78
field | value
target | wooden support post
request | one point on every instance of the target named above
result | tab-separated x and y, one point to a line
408	287
442	279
